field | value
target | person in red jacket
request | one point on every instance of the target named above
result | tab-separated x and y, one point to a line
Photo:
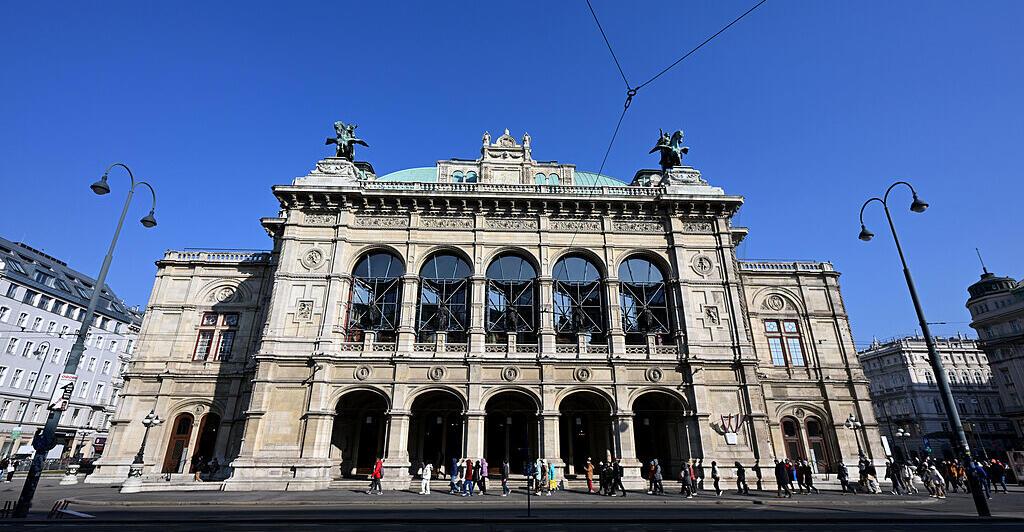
467	486
375	476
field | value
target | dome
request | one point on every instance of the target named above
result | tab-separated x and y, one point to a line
989	284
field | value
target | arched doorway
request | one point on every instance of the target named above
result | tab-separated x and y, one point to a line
177	445
817	442
659	431
357	439
436	429
510	430
586	430
206	444
791	439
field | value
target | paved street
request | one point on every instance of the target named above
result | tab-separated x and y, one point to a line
344	509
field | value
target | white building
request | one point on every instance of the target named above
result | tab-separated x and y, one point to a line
997	313
41	303
905	395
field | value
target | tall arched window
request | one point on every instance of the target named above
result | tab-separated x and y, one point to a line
643	300
444	298
817	442
511	307
578	300
376	296
471	177
791	438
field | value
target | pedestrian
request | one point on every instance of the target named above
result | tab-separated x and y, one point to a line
715	478
659	489
798	472
454	485
529	471
552	479
650	477
469	479
906	474
375	476
618	473
893	477
844	479
426	470
700	474
938	483
809	478
757	474
504	478
539	476
197	467
999	474
782	480
481	475
684	480
983	480
589	472
604	478
3	468
741	480
544	485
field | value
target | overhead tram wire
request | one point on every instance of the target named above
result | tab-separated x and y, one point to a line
632	91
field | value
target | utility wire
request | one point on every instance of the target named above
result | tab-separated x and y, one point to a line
609	44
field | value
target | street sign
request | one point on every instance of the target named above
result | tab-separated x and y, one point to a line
62	391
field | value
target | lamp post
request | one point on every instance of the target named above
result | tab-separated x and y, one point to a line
134	482
854	425
46	440
919	206
902	434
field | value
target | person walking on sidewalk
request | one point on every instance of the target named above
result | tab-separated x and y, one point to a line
844	479
809	477
741	479
552	479
426	471
617	473
589	472
782	480
481	475
504	478
470	478
700	475
715	478
375	476
659	489
454	486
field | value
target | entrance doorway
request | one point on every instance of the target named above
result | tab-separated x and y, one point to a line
436	430
510	431
659	432
791	439
357	439
206	444
585	430
177	446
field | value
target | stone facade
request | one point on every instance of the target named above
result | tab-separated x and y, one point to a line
905	395
488	309
997	314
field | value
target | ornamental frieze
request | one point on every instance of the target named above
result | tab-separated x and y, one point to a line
638	226
698	227
443	222
320	218
573	224
381	222
512	224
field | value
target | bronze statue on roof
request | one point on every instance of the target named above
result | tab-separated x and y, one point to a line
345	139
671	149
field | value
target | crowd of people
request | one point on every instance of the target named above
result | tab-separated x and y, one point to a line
467	477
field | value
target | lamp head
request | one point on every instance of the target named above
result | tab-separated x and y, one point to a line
148	220
918	205
865	235
101	187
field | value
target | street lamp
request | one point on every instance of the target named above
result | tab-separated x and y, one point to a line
942	380
46	440
854	425
134	482
902	434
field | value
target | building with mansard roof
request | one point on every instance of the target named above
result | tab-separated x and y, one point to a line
499	307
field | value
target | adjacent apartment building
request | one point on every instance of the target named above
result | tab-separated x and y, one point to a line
905	396
42	301
997	313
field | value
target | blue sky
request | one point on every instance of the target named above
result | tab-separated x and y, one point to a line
805	108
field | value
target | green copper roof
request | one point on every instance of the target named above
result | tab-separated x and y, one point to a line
428	174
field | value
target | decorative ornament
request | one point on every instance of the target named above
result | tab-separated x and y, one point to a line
435	373
774	302
582	374
702	265
313	259
363	372
654	374
224	294
510	373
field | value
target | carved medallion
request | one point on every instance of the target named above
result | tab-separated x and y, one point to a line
654	374
510	373
363	372
223	295
304	311
312	259
800	413
582	374
774	302
435	373
702	264
199	410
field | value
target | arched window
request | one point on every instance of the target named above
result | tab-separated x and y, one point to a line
511	297
470	177
578	300
643	300
457	176
791	438
541	179
816	440
553	179
444	298
376	296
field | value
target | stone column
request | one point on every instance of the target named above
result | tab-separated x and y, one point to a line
547	317
550	448
622	427
477	335
615	333
407	320
396	456
334	312
475	435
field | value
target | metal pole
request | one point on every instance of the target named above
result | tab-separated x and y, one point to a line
47	439
936	362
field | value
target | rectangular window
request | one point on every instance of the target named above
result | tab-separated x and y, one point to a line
31	382
203	345
27	349
84	392
113	346
5	410
106	367
43	277
44	302
74	415
58	307
227	340
3	374
22	319
37	324
778	357
12	346
219	328
12	291
16	378
29	296
55	357
92	364
50	327
35	412
784	342
63	330
20	410
98	396
45	384
796	354
5	314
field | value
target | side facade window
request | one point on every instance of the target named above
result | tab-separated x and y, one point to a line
784	342
216	336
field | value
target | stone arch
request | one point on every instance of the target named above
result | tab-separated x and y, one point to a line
490	393
411	398
670	392
661	426
597	260
359	428
530	257
661	261
357	255
414	268
793	304
189	405
606	394
338	393
825	446
215	291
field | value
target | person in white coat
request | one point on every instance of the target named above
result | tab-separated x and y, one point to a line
426	472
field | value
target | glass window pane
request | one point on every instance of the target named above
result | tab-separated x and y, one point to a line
209	319
789	326
775	346
796	355
771	326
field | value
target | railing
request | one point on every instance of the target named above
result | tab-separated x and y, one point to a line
217	256
562	190
785	266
